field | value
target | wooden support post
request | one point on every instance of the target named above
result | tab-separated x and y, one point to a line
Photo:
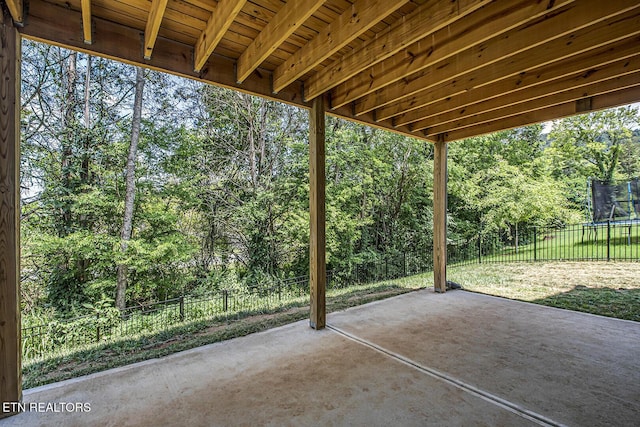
10	354
317	249
440	216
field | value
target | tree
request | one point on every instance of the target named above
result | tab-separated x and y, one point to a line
130	192
597	145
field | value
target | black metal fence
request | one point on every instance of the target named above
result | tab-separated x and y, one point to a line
110	323
605	241
609	241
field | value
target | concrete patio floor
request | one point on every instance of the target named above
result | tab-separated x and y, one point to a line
456	359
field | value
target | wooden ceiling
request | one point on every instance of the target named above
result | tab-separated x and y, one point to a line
433	69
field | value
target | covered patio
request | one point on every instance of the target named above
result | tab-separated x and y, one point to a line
416	359
437	70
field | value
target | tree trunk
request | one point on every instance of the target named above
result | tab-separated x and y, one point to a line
67	140
130	193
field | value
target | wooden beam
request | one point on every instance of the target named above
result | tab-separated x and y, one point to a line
578	20
424	21
503	92
600	102
50	23
10	343
16	9
354	21
292	15
317	246
86	21
452	79
156	13
580	91
220	21
594	81
489	21
440	216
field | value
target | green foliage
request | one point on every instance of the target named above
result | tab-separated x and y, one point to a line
603	145
222	184
501	181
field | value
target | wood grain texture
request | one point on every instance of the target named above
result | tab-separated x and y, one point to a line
317	240
156	14
86	21
357	19
504	92
440	216
278	29
571	45
599	102
16	9
427	19
217	26
10	354
482	25
566	32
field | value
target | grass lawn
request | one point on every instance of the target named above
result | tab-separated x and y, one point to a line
605	288
99	357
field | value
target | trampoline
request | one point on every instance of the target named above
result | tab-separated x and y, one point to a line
612	206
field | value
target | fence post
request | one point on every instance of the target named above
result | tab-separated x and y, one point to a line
535	243
182	308
404	264
279	290
608	240
97	326
225	300
479	248
386	267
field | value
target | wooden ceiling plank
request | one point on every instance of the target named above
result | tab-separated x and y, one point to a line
541	102
16	9
490	21
609	100
425	20
153	26
475	101
49	23
292	15
86	21
457	80
220	21
354	21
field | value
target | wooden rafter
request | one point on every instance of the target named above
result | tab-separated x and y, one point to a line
156	13
425	20
217	26
357	19
542	102
495	60
48	21
563	48
16	9
590	80
486	23
86	21
500	92
600	102
475	70
284	23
